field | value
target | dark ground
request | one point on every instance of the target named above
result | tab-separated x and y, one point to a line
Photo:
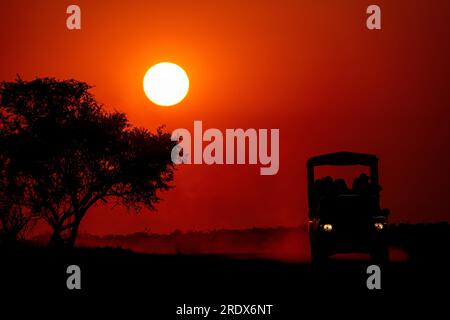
116	280
150	286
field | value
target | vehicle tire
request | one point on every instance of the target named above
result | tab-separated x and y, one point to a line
318	257
380	255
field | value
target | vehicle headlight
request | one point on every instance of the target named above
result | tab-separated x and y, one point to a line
327	227
378	226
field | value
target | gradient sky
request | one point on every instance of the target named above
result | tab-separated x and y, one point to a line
310	68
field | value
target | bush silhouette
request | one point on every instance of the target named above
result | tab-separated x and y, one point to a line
62	152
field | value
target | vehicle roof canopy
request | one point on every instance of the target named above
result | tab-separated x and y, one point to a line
343	158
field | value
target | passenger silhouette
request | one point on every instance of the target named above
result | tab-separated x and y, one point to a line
361	184
340	186
328	186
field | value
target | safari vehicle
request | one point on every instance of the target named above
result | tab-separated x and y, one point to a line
342	219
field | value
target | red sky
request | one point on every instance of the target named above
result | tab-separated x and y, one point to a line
310	68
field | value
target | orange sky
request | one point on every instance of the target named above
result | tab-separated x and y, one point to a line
310	68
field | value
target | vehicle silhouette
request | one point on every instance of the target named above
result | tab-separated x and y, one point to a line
342	219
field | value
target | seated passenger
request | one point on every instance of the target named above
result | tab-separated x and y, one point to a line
328	186
361	184
340	187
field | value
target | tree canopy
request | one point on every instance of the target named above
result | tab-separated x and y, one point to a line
61	152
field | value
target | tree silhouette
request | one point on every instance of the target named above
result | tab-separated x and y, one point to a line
13	218
65	153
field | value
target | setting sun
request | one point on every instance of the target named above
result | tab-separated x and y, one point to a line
166	84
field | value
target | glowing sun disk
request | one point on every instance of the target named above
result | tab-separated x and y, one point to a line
166	84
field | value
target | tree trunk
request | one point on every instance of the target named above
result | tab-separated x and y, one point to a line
70	231
56	241
73	234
